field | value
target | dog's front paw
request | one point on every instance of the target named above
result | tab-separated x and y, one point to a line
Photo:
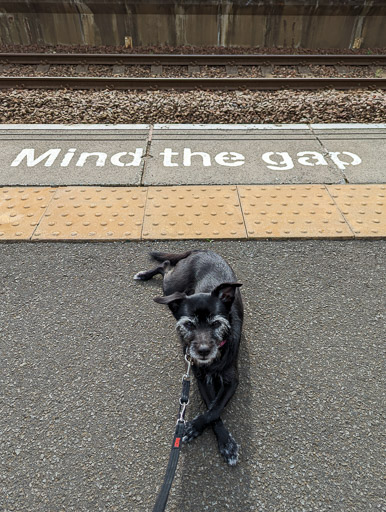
229	450
192	430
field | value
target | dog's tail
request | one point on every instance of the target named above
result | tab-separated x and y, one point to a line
173	258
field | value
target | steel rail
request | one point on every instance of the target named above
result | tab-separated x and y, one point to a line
197	60
189	83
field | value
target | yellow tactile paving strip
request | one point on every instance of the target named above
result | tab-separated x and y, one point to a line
202	212
21	210
89	213
193	212
292	211
364	208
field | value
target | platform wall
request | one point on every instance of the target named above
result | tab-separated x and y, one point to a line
288	23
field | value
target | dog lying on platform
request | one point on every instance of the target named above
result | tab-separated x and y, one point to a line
201	291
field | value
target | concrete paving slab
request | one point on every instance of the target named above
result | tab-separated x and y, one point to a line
72	157
326	127
21	210
89	213
358	152
237	156
193	212
90	376
363	206
306	211
132	155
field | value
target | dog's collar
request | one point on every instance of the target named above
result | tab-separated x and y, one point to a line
222	343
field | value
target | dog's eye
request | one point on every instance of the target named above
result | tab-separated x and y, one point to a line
216	324
189	325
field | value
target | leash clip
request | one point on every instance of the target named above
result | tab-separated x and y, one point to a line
188	360
184	399
183	406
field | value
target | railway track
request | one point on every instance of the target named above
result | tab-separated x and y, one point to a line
190	83
266	64
133	59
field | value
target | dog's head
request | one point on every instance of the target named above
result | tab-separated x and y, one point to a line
203	320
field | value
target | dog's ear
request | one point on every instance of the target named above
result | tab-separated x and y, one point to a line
226	292
173	301
170	299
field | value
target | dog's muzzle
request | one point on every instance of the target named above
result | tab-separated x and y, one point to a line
204	357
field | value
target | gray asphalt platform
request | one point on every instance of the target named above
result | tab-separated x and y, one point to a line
137	155
91	370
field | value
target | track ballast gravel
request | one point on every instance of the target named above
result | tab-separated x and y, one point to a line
67	106
183	71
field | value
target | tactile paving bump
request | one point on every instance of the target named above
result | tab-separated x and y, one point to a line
291	212
364	207
21	210
87	213
193	212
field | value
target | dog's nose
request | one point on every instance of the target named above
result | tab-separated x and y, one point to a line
203	352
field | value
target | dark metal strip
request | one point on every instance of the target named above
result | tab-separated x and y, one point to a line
198	60
189	83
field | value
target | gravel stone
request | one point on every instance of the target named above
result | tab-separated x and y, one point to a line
284	106
183	71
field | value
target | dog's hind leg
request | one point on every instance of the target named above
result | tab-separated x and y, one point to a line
171	257
145	275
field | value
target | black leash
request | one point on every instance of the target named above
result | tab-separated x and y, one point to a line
162	498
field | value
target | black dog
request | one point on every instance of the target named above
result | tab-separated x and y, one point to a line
201	291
